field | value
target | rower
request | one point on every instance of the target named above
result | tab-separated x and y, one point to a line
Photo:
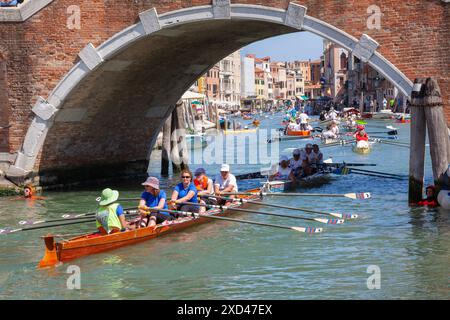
360	134
152	198
295	163
331	132
110	216
316	157
283	172
185	191
307	170
225	182
303	121
431	199
204	187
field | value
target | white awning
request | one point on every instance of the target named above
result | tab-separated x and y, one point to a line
190	95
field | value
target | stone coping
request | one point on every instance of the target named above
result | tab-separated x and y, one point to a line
23	11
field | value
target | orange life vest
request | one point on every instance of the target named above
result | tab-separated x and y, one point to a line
201	184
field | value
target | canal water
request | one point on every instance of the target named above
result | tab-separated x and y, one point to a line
410	247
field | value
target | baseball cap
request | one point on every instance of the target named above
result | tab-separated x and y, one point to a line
225	167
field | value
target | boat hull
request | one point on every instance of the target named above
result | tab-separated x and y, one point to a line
361	150
67	250
301	133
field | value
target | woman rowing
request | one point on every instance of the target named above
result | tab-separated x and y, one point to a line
152	198
110	215
185	191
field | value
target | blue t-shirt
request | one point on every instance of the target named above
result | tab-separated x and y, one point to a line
183	192
152	201
119	210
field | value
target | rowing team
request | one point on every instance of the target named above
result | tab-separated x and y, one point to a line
190	195
304	162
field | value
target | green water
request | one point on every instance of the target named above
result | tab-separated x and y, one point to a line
225	260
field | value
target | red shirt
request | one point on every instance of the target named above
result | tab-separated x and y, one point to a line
359	137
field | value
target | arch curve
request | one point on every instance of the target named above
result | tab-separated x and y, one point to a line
151	24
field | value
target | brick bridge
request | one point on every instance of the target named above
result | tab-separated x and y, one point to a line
86	100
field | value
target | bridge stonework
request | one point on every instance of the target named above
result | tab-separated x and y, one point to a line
105	124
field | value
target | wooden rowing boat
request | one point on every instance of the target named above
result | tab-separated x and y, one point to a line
315	179
92	243
362	149
301	133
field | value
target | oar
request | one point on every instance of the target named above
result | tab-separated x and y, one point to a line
8	231
371	174
390	133
127	211
379	172
361	195
399	144
350	164
333	214
326	221
390	138
196	215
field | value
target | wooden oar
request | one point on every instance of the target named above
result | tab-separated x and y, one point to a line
325	221
379	172
127	211
196	215
333	214
8	231
361	195
390	138
399	144
372	175
390	133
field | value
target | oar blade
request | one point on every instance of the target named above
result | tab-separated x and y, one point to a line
361	195
344	215
8	231
307	229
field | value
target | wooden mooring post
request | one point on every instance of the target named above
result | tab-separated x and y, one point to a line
165	153
427	112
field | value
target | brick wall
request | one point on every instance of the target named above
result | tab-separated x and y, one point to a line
414	36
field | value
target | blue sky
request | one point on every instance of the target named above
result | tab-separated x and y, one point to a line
289	47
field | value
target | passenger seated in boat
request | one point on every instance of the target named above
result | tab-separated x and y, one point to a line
185	191
225	182
283	171
204	187
360	134
295	163
152	198
315	158
431	199
329	133
110	217
307	170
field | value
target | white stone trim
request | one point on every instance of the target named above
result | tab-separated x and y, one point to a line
221	9
295	15
90	56
8	157
24	11
43	109
150	21
365	48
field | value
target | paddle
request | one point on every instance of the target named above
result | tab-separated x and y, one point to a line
325	221
8	231
127	211
361	195
333	214
196	215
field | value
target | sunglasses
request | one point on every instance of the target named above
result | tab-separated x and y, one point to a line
186	177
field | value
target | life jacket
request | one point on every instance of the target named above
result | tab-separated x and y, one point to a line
107	218
365	137
429	203
201	184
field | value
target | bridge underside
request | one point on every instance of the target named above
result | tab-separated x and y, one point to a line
109	123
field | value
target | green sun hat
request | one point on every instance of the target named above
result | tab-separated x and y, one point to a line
108	196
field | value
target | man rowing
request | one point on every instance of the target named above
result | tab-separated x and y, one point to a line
316	156
295	163
152	198
360	134
306	165
110	216
332	131
225	182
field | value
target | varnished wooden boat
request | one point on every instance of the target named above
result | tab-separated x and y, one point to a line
361	150
92	243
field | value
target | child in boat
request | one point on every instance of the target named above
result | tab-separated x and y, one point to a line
110	216
430	200
153	198
185	191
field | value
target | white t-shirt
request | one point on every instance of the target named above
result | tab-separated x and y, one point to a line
303	118
295	164
231	180
316	157
283	173
335	130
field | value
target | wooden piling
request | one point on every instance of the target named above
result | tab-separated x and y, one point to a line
179	152
417	151
216	109
437	128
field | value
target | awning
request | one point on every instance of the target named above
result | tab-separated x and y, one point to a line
190	95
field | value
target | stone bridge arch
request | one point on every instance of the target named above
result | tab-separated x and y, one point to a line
100	117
